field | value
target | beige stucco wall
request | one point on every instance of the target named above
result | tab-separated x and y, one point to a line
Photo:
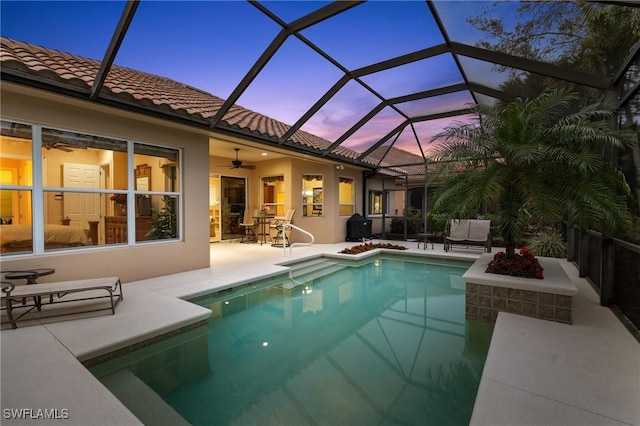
134	262
155	259
328	228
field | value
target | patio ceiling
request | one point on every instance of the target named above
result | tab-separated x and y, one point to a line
353	81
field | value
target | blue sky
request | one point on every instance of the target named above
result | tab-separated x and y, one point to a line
212	44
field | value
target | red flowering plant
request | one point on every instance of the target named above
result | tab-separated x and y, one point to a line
361	248
119	198
523	265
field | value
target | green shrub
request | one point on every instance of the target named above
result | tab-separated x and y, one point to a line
415	225
547	244
437	223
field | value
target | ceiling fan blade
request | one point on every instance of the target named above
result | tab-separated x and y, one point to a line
236	164
55	145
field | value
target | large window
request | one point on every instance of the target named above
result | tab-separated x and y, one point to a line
273	194
377	202
346	196
83	190
312	195
16	188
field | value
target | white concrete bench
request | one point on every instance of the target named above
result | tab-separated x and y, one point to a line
16	297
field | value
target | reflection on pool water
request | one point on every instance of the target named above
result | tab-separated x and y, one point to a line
383	341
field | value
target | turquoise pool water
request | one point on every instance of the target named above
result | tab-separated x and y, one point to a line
382	342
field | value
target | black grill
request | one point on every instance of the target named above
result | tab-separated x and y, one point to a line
358	228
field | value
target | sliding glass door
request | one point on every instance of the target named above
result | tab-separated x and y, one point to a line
232	205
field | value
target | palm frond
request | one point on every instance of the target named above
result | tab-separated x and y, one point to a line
536	160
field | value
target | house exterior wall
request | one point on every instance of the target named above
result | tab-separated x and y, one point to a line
279	166
143	261
129	262
394	202
398	199
328	228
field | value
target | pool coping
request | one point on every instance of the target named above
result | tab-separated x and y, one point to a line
556	280
545	372
70	343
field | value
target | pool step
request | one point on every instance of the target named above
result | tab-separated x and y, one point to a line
308	263
304	272
141	400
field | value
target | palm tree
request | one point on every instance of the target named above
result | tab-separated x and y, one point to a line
536	162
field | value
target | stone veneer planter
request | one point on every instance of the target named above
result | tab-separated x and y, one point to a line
487	294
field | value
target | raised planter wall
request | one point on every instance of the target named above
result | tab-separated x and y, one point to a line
485	301
488	294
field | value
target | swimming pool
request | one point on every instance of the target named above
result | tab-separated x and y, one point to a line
380	341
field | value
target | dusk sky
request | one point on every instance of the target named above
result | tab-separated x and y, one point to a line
212	44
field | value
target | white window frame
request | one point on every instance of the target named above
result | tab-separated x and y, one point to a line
309	196
353	196
38	191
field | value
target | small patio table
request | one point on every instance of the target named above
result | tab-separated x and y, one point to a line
424	239
31	275
263	227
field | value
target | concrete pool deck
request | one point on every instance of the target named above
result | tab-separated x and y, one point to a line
593	365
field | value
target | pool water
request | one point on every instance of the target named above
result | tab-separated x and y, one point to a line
384	341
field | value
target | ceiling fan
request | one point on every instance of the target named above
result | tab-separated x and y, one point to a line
57	145
237	164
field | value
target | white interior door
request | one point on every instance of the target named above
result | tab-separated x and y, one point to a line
81	208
